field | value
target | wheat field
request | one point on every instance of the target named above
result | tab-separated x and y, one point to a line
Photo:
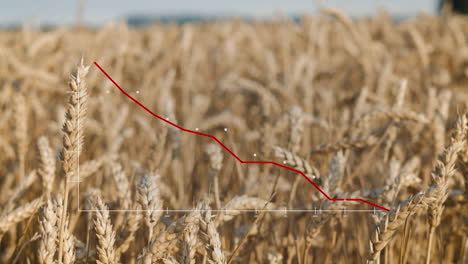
370	108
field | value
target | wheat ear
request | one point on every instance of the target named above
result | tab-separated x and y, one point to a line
390	224
208	227
48	228
190	234
72	138
444	170
166	243
133	224
122	184
215	156
46	169
429	199
345	144
296	163
296	128
18	215
105	234
149	198
239	203
170	260
20	115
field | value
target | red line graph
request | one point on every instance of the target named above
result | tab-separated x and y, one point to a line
228	150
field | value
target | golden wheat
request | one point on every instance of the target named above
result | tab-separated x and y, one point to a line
366	108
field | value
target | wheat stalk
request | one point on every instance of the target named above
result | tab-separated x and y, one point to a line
87	169
68	245
68	239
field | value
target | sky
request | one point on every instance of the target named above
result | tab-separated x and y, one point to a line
101	11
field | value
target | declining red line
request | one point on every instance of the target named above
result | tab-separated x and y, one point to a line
228	150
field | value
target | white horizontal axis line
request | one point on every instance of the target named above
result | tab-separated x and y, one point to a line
241	210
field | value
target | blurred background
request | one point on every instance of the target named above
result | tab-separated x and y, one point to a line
140	12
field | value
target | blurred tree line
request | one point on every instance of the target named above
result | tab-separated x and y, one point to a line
457	6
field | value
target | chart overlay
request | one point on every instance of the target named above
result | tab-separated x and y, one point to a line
228	150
